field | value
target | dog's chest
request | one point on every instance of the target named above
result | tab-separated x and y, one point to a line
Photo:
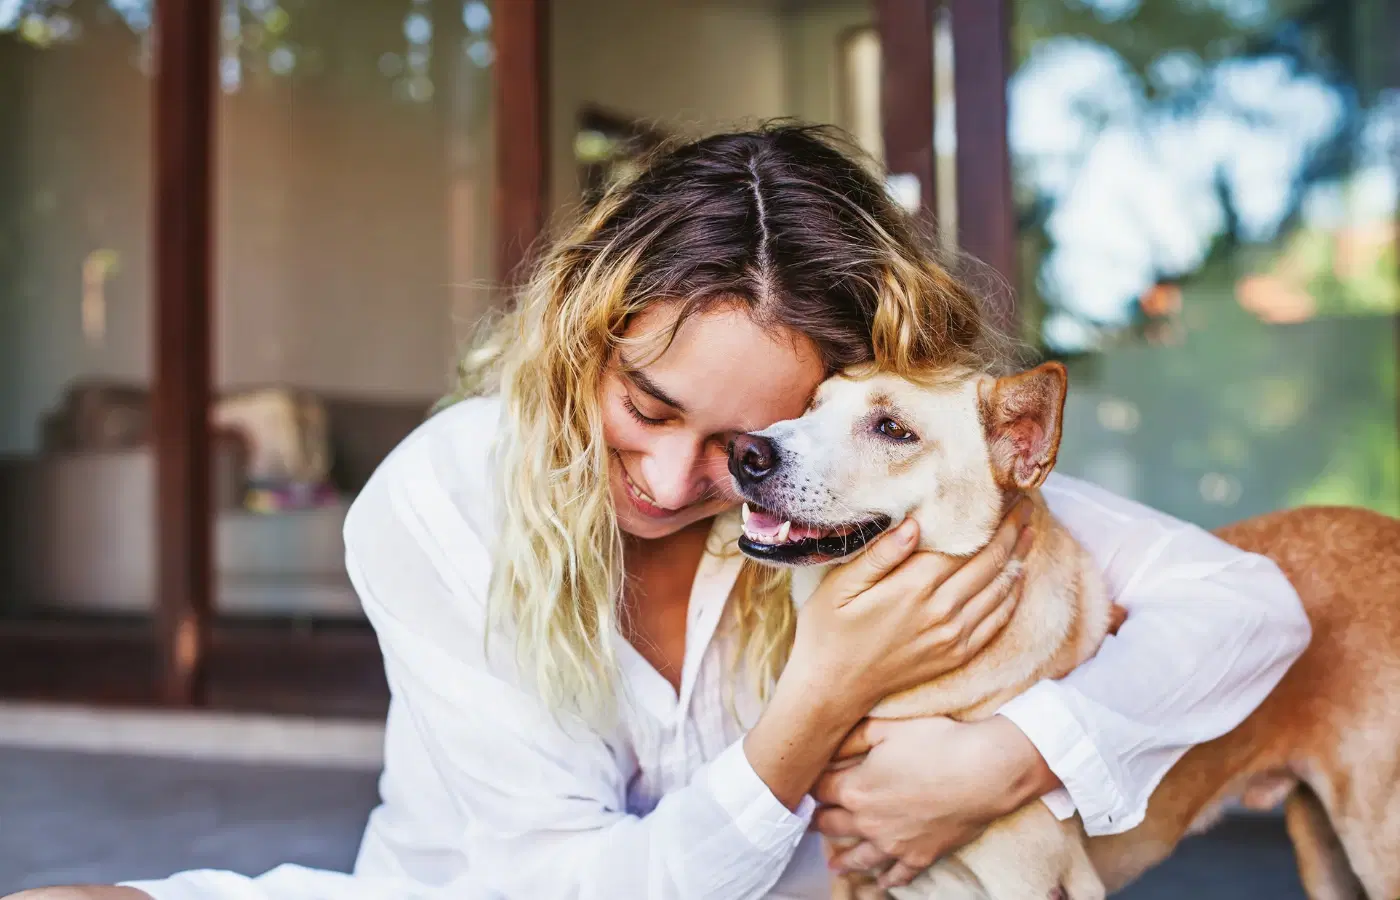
805	580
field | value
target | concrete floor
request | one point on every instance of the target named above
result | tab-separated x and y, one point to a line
70	817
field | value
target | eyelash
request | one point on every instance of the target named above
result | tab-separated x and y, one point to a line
637	414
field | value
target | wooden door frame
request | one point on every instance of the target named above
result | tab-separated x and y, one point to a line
905	29
186	58
980	29
520	94
185	120
981	32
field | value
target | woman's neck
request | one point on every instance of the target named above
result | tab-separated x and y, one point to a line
656	595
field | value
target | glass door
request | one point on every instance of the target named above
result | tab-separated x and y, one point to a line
1205	206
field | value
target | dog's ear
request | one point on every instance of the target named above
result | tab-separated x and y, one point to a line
1021	417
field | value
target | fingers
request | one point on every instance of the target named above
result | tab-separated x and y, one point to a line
835	822
889	550
898	875
832	787
982	618
1117	615
1008	548
861	858
864	736
980	634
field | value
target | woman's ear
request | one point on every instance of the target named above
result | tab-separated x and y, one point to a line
1022	420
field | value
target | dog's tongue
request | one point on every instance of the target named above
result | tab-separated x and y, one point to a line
762	523
765	524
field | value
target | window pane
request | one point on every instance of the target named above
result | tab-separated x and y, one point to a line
354	174
77	524
1207	195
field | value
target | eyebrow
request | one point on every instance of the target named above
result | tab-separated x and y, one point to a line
643	380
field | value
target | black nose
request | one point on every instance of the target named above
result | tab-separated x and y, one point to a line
752	458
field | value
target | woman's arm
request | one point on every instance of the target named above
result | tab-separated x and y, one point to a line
1210	631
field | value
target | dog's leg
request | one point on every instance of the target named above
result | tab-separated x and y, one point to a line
1322	863
948	879
1029	855
1366	823
843	887
1082	881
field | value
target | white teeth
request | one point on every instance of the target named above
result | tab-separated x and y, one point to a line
746	513
783	532
637	488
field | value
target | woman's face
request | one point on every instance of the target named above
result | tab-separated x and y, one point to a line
669	423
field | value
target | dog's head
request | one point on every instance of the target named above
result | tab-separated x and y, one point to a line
871	451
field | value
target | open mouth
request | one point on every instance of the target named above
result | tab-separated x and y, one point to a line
768	537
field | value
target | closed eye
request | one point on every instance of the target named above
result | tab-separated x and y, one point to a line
637	414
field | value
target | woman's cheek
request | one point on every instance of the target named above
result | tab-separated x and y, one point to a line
620	430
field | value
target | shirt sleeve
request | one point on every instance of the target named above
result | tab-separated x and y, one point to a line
534	800
1210	631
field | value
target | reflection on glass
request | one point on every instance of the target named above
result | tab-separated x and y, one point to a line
681	68
1207	198
76	465
354	182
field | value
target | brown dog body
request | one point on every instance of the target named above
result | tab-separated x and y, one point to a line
1326	743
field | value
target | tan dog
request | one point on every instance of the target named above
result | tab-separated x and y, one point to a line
954	455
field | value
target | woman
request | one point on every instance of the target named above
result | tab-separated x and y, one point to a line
595	697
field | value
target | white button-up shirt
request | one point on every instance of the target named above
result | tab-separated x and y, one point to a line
486	793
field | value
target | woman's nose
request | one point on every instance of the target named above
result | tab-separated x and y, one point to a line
674	477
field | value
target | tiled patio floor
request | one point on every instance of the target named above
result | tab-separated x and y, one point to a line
71	817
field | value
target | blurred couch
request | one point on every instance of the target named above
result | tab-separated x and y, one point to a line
77	520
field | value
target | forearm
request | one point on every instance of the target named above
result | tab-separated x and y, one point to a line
1193	660
796	737
1018	772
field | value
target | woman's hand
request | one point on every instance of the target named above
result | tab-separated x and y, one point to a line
924	788
894	618
889	619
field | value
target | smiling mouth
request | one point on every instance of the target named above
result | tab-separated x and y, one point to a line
769	537
648	504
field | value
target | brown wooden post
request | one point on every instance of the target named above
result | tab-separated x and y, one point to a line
185	62
906	92
986	209
521	97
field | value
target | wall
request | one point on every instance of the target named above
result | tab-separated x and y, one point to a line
692	66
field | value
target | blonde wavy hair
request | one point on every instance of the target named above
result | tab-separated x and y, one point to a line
782	219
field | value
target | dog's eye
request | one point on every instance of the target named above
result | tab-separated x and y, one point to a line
893	430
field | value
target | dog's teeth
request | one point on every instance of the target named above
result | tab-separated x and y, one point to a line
746	513
783	531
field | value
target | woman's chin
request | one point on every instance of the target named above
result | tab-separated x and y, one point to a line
647	528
